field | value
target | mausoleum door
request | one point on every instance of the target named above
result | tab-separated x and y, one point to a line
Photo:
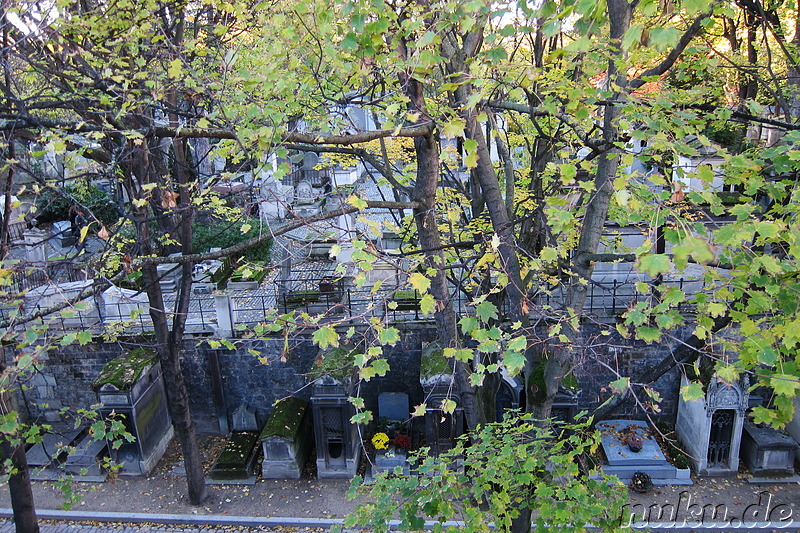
719	441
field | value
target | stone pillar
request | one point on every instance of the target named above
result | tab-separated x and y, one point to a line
226	314
35	242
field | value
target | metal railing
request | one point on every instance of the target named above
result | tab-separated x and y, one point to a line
333	301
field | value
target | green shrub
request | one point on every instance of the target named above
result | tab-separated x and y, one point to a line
52	206
224	234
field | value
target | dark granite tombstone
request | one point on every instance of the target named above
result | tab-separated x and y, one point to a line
131	386
286	440
394	406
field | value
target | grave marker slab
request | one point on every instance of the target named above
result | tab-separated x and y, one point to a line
623	462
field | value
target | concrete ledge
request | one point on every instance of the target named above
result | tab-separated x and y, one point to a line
184	519
253	522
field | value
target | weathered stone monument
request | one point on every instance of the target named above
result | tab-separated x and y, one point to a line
46	296
286	440
131	386
710	428
123	304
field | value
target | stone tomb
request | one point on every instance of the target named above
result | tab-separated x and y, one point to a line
50	452
710	428
46	296
768	454
286	440
124	304
131	386
337	440
623	462
237	459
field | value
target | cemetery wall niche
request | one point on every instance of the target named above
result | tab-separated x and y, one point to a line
404	364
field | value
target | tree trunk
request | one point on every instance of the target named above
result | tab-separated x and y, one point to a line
558	361
19	488
168	346
19	481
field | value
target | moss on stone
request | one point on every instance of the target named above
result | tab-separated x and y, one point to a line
125	370
433	362
285	419
334	362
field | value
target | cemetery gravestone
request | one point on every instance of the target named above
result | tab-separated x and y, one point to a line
768	452
617	437
285	440
235	463
131	386
710	428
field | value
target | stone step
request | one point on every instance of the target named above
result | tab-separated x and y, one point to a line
87	457
45	452
657	472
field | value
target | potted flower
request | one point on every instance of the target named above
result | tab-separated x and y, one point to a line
380	441
402	441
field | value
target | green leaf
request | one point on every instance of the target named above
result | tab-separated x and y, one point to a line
326	336
655	264
389	336
692	391
454	128
175	68
357	202
785	385
448	406
427	305
471	150
648	334
419	282
621	385
84	337
514	362
486	311
364	417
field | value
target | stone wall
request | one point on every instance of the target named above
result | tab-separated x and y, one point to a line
259	380
66	375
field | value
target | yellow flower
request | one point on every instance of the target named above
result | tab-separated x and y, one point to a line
380	441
